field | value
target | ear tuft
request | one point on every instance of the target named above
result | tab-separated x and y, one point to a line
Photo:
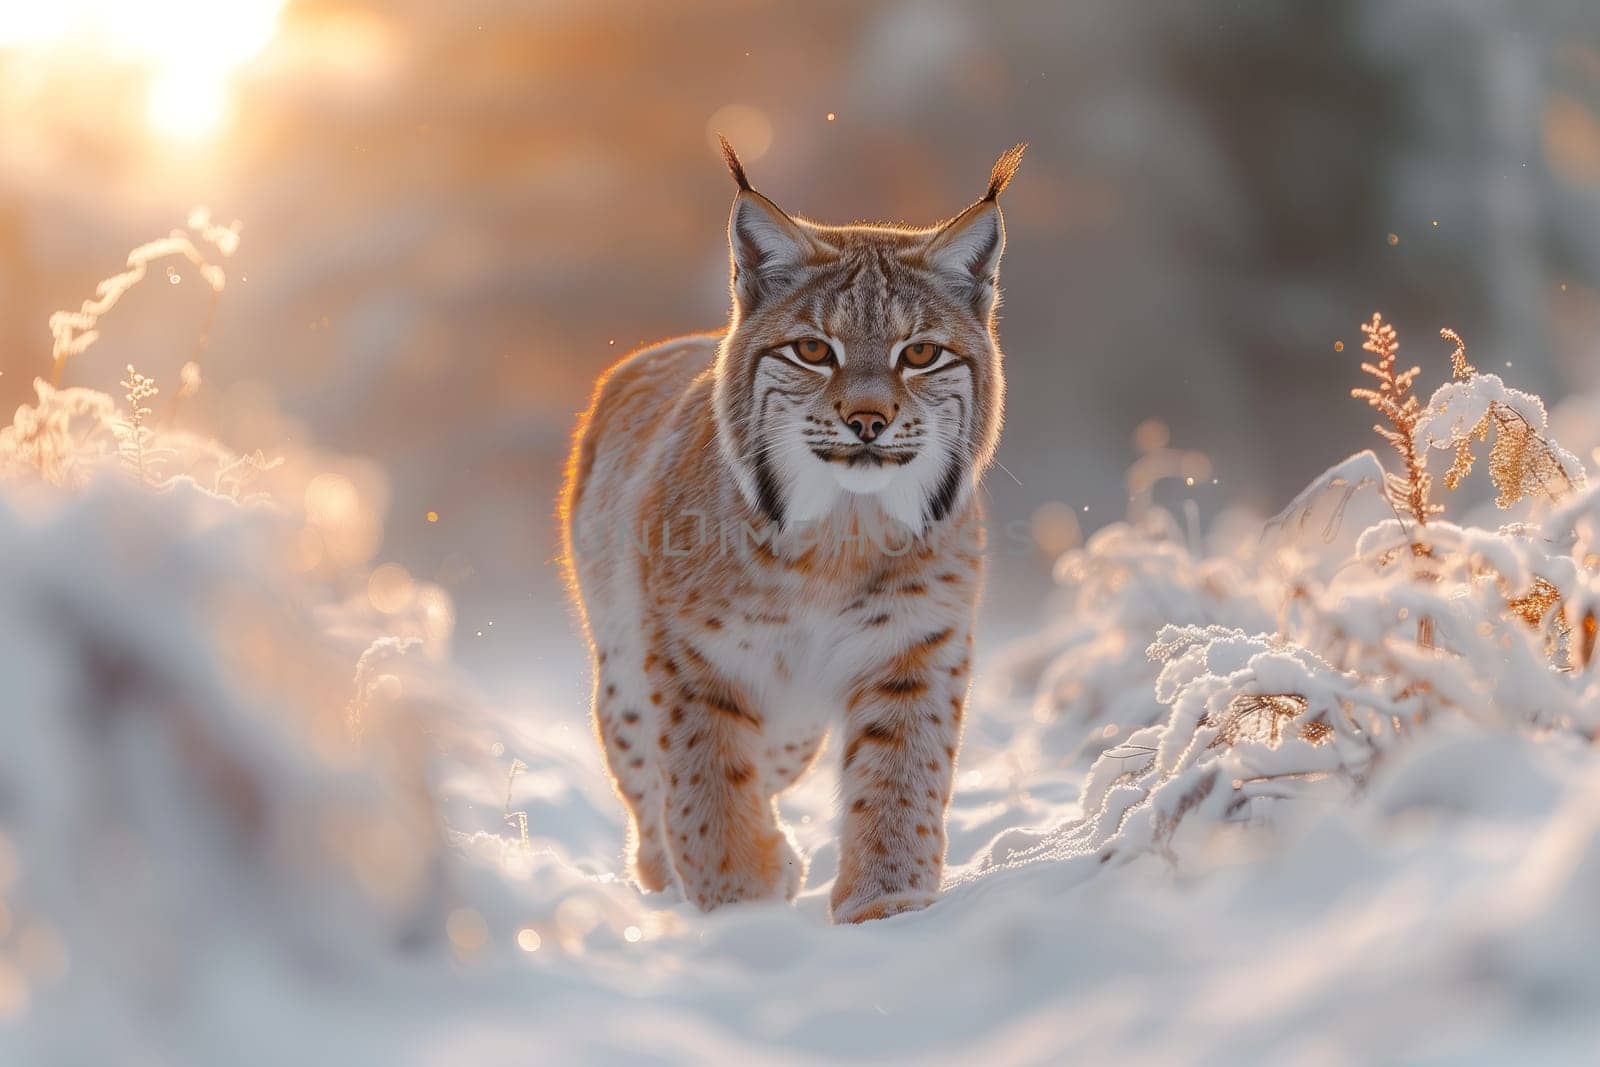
736	168
1005	168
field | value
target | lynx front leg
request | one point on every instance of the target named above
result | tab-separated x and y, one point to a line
899	758
721	825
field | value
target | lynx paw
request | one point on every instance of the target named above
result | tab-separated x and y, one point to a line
652	869
777	876
882	907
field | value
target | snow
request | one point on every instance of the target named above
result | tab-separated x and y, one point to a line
1225	805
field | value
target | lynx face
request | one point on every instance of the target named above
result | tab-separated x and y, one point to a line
860	360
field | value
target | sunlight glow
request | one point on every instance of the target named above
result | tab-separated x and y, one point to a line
190	48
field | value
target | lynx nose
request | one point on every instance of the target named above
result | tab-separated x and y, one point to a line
866	425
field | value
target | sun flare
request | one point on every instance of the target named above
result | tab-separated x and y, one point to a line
189	49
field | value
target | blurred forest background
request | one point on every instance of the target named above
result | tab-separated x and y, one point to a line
455	215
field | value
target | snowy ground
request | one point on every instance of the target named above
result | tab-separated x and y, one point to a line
1447	914
1237	801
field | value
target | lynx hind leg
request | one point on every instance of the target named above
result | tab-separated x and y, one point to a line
623	721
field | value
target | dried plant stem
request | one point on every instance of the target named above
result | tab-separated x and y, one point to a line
1460	369
1394	399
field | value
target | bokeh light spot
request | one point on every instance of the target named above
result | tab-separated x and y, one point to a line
748	129
467	931
391	589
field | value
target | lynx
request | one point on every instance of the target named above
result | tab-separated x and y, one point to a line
773	530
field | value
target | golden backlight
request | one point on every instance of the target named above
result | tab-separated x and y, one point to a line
190	49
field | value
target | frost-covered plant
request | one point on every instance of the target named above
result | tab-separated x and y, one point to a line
1251	717
1090	683
1384	619
1573	529
74	331
60	440
1128	581
70	433
1524	461
516	819
178	692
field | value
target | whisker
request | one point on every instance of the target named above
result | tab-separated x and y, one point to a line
1003	467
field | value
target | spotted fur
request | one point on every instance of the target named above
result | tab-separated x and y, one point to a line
765	549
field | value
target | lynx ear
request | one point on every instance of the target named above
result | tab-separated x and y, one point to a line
968	248
970	244
766	245
967	251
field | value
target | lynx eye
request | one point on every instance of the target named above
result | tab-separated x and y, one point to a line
812	350
921	354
